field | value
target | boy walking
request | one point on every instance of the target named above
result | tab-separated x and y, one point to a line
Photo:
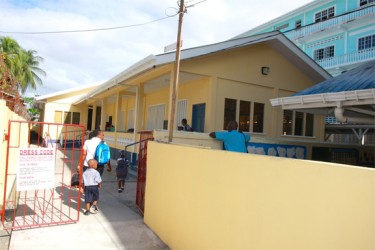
92	182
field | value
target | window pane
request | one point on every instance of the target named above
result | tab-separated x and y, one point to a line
76	118
309	125
229	111
298	124
244	124
287	122
258	117
67	117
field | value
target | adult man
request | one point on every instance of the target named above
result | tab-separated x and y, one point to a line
233	140
89	149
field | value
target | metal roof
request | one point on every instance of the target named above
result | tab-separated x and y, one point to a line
360	78
275	39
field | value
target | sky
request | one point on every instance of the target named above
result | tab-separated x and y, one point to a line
73	59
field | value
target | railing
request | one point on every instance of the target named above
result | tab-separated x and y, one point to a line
335	21
359	56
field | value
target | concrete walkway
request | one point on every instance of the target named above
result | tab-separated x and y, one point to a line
118	225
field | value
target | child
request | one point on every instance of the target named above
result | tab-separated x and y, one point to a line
74	182
92	182
121	171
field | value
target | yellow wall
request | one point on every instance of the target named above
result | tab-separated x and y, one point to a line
20	139
212	199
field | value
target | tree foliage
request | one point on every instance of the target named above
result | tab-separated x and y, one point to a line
19	70
22	64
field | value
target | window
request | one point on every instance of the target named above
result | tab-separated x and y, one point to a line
298	123
244	120
230	110
287	122
282	26
69	117
156	116
131	117
324	53
76	118
325	14
365	2
244	115
258	117
181	111
367	42
309	128
298	24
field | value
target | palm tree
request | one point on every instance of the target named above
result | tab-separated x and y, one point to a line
27	71
23	64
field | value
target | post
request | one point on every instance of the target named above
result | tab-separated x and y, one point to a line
176	74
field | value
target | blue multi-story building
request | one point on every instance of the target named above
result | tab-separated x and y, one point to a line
338	34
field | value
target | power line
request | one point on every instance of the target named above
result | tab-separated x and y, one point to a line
85	30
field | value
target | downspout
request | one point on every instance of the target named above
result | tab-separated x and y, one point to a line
339	114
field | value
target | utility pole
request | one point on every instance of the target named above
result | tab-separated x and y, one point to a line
176	73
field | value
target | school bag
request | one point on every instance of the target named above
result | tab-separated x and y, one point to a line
102	153
74	182
122	168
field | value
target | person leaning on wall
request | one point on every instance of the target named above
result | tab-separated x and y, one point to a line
232	139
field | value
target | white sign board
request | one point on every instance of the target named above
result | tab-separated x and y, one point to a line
35	168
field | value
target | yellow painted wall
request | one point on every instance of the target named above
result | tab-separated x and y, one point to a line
211	199
19	138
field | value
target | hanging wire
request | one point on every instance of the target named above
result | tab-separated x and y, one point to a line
84	30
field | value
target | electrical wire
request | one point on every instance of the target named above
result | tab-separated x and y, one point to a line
84	30
99	29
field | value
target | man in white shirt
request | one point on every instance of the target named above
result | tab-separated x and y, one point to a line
89	149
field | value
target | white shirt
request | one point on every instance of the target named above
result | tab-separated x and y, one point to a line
90	147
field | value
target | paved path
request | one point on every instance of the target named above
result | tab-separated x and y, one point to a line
118	225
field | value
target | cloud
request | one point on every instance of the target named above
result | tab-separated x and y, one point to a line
73	59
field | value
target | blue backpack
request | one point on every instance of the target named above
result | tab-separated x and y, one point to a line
102	153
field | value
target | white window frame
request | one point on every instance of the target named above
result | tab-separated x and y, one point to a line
320	13
131	117
293	124
181	111
372	41
325	52
155	116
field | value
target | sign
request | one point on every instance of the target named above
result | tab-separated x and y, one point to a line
35	168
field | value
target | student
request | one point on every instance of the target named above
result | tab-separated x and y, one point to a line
185	125
121	171
89	149
92	182
232	139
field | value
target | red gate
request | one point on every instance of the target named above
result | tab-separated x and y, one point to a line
37	190
142	169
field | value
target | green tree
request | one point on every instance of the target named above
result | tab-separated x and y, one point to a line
23	64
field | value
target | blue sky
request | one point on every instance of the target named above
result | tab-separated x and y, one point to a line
75	59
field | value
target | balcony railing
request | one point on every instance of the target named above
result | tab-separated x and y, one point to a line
357	57
335	21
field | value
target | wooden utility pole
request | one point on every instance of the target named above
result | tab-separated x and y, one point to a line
176	74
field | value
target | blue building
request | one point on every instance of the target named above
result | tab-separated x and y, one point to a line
338	34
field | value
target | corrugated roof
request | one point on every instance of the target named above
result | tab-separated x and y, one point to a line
362	77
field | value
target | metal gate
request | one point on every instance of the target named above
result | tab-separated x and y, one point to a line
40	160
142	169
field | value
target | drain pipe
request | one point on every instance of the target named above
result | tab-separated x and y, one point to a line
339	114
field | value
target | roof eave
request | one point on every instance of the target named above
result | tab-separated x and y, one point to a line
345	98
